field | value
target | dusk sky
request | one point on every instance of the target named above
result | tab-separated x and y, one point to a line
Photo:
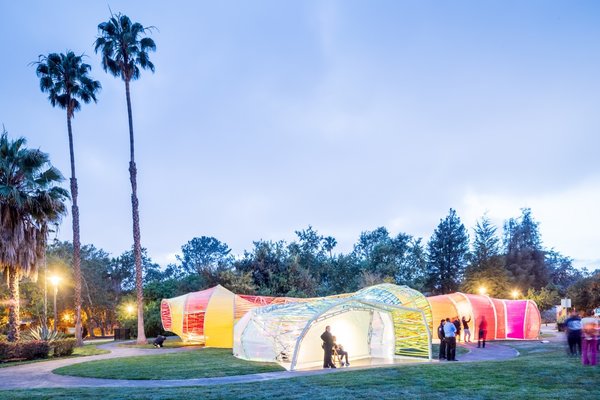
264	117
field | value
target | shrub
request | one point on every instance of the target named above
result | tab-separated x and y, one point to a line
27	350
7	350
33	349
63	347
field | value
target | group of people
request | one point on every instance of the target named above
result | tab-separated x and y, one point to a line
331	349
582	336
449	333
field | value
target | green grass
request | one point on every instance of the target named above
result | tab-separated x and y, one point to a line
541	372
201	363
85	350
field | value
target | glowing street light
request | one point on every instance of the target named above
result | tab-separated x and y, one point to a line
515	294
54	280
482	291
130	309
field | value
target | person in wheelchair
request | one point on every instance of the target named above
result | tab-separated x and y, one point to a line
340	353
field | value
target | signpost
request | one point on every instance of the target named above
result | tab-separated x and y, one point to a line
566	303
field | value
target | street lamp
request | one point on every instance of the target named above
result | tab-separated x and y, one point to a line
515	294
55	280
130	309
482	290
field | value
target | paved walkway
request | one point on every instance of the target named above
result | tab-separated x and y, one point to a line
39	375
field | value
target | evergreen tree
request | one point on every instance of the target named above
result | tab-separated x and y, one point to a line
487	267
525	258
447	253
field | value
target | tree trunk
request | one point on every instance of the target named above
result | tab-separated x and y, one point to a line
14	317
137	247
76	239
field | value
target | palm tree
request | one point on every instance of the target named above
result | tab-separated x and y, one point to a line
65	79
30	200
124	51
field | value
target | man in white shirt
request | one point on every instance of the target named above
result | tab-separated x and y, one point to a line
450	335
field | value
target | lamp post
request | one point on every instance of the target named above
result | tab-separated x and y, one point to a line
55	280
515	294
482	291
45	319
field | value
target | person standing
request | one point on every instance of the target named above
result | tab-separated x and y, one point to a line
327	339
482	332
466	329
589	329
450	335
573	324
442	337
456	323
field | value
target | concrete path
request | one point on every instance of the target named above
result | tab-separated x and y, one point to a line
39	375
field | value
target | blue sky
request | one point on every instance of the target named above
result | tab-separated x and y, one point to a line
266	116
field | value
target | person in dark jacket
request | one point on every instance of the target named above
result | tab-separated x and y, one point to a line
456	323
442	337
158	342
573	324
327	339
465	323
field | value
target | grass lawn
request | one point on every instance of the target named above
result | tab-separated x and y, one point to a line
171	342
541	372
85	350
201	363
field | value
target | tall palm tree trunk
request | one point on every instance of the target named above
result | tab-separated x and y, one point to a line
76	239
137	246
14	317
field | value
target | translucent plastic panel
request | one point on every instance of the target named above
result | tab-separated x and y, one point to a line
352	330
388	293
218	319
515	318
441	308
532	321
382	335
165	315
463	306
482	308
500	319
195	308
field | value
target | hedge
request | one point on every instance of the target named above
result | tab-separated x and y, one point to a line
24	350
63	347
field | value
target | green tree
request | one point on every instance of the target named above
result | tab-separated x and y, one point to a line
329	244
124	51
99	297
486	268
562	272
545	298
30	200
525	258
585	293
202	254
447	252
65	77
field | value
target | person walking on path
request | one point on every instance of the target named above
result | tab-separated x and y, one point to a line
450	335
589	338
573	324
482	332
327	339
466	329
456	323
442	337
